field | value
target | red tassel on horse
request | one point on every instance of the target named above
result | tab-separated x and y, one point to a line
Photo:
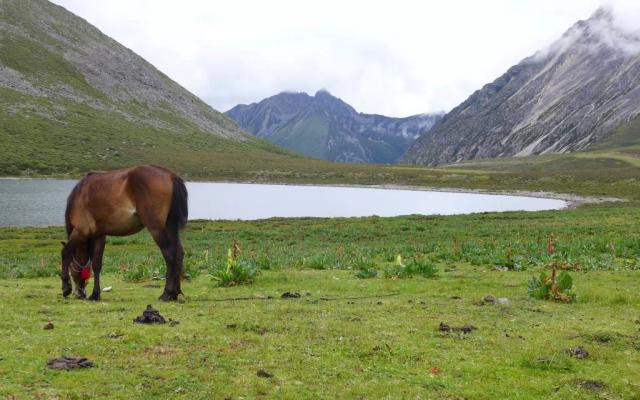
85	273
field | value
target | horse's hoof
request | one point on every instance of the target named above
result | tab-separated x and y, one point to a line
66	292
168	297
94	297
80	295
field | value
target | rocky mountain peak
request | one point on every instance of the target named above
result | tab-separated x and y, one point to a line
323	93
324	126
562	99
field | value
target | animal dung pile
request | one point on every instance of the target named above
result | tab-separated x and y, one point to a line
464	329
576	352
67	363
264	374
150	316
290	295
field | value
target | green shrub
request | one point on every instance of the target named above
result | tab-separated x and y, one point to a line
394	271
236	272
366	273
424	268
364	267
318	263
142	271
551	287
264	262
240	273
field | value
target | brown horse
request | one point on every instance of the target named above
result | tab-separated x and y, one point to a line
121	203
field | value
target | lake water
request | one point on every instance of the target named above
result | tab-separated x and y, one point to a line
34	202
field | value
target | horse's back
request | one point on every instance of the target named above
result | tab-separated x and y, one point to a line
122	202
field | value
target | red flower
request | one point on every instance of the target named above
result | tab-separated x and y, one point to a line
550	247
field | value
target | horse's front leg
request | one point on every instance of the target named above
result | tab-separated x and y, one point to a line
97	253
64	274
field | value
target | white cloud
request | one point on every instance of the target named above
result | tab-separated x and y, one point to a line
396	58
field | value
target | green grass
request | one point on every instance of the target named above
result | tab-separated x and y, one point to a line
378	347
386	345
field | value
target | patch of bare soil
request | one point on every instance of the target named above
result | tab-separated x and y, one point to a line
590	384
264	374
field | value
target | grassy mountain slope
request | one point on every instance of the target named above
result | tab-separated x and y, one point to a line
73	99
308	136
624	138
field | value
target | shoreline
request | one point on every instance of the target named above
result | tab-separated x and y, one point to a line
572	200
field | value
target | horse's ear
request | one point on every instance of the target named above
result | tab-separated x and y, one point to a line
63	243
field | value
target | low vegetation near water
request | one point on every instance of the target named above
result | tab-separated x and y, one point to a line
373	292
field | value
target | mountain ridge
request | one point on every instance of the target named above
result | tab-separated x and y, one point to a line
324	126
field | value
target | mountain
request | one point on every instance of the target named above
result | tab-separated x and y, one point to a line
323	126
73	99
560	100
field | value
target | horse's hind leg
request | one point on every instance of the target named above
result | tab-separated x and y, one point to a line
173	254
97	252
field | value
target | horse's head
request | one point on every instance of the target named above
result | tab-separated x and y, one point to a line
77	264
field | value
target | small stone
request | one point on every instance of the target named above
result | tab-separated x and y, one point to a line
107	289
48	325
489	298
503	301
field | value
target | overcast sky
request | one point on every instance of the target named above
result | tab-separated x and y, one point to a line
388	57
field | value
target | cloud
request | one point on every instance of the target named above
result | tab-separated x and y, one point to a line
608	27
396	58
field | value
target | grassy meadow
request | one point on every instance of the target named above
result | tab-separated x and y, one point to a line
373	291
361	328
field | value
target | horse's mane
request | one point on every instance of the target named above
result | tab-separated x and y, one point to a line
72	195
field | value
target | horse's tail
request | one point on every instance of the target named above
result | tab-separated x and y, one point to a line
179	211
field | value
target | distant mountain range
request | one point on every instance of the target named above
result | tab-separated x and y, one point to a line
323	126
566	98
73	99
